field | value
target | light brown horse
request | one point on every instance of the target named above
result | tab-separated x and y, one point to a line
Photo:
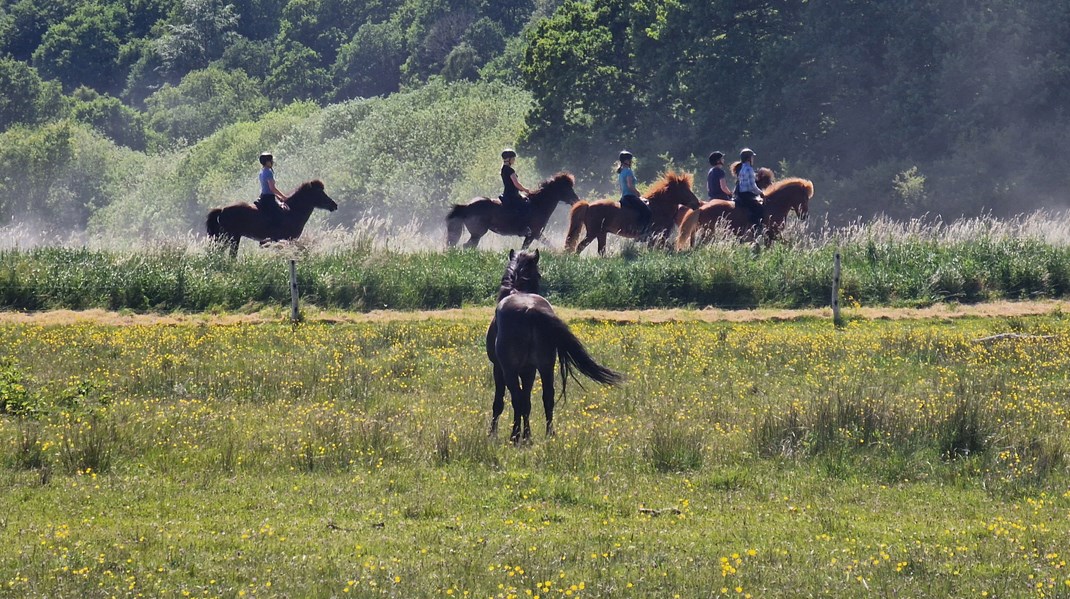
486	214
606	216
781	198
763	178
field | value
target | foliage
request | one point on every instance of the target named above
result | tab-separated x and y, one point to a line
370	63
204	102
110	117
27	99
84	48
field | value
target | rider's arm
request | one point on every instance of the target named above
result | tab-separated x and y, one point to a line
275	190
520	187
724	187
630	182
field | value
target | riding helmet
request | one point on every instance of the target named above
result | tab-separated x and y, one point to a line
508	153
716	157
746	153
625	156
265	156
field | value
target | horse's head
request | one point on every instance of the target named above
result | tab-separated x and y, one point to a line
790	195
764	177
674	189
561	188
522	274
312	194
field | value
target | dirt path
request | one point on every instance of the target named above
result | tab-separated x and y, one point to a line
993	309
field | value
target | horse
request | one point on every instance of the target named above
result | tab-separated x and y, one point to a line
487	214
781	198
763	178
233	222
526	336
606	216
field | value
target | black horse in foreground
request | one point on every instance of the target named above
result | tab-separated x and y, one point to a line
230	224
526	336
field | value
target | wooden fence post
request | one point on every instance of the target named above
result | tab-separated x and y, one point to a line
836	290
295	314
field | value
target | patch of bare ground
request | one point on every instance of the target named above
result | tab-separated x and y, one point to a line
1002	309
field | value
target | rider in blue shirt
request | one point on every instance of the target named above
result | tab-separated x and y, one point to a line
267	202
747	192
629	195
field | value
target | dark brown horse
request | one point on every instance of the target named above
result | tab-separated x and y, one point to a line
486	214
606	216
781	198
526	337
233	222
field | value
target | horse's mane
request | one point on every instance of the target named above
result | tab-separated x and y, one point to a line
558	180
791	182
670	179
315	183
512	283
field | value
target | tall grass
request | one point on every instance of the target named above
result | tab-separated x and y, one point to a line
378	266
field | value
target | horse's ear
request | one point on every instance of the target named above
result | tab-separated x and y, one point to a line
536	256
512	255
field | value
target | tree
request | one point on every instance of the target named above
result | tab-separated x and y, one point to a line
26	98
296	74
203	102
27	22
370	64
203	30
109	116
84	48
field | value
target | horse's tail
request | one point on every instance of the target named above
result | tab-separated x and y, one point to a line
686	237
455	224
571	353
576	218
215	230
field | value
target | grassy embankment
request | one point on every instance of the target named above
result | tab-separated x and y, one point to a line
779	459
358	274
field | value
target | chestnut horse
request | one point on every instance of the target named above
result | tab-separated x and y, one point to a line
606	216
486	214
763	178
781	197
526	337
233	222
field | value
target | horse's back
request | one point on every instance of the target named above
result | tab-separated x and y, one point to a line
519	319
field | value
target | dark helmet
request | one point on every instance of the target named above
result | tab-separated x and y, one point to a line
746	153
625	156
508	153
265	157
716	157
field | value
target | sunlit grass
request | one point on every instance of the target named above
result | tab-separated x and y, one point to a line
353	459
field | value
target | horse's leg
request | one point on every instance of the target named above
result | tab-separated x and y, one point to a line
527	241
475	234
499	399
234	241
586	241
602	243
546	373
512	382
527	381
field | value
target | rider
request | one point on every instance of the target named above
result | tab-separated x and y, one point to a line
747	192
267	202
511	197
716	188
629	195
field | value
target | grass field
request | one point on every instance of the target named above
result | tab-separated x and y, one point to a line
890	458
376	267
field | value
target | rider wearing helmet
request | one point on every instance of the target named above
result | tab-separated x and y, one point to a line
511	197
716	188
267	202
629	195
747	191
